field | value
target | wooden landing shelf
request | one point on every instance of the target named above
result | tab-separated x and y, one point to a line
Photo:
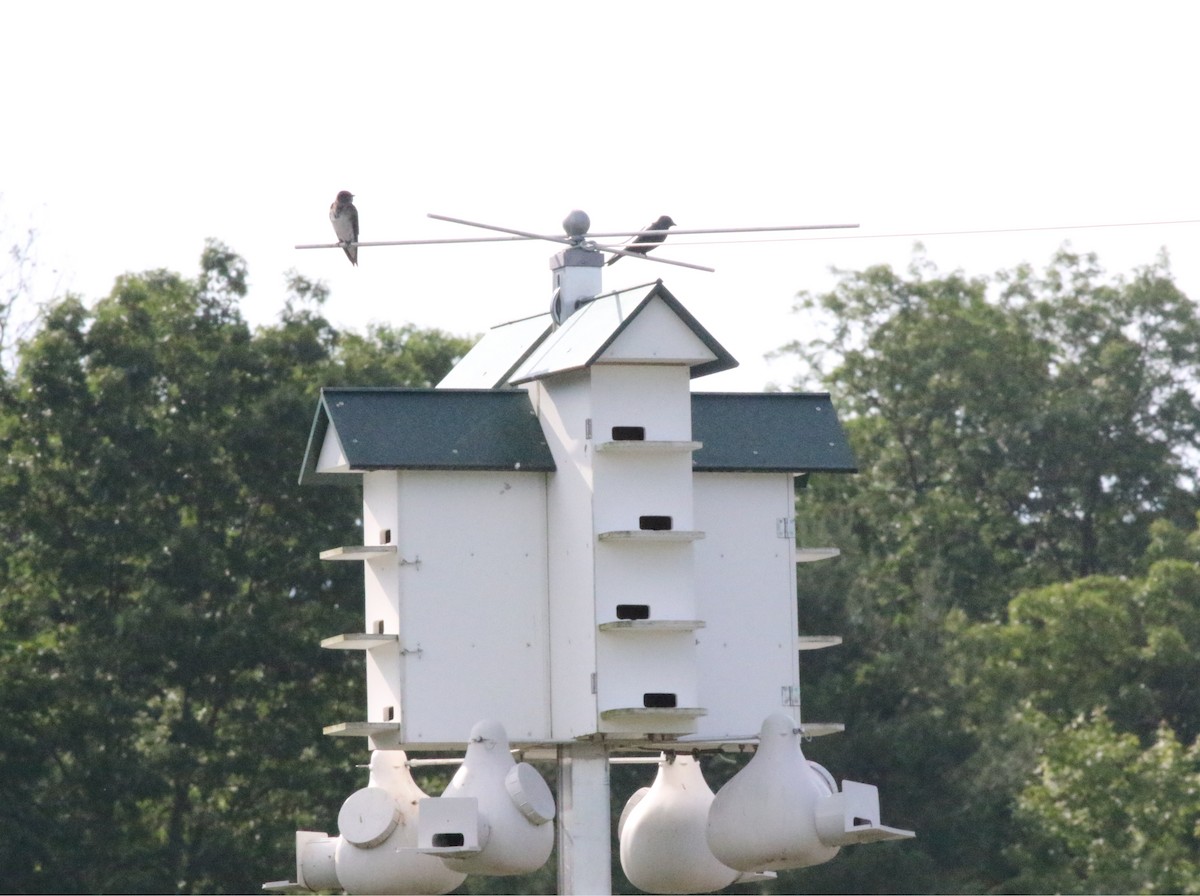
821	729
638	626
284	886
451	851
816	642
360	729
812	555
358	552
644	713
633	446
652	535
358	641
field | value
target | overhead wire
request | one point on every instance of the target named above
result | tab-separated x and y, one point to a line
858	235
991	231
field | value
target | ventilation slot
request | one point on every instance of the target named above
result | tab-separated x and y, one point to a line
629	433
654	523
658	701
633	611
389	713
385	536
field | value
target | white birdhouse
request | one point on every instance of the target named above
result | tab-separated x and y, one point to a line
662	833
564	537
781	811
564	508
375	851
493	817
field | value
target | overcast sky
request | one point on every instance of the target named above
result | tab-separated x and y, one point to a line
132	132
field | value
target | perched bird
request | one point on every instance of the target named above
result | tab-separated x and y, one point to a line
344	217
644	242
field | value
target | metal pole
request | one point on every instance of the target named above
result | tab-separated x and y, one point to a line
584	822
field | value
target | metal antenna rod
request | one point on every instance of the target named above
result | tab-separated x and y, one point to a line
521	233
683	264
490	239
461	239
559	239
677	232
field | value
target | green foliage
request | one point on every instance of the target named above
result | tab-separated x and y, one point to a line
18	309
1019	587
1104	814
162	600
1029	436
405	354
1129	647
1032	436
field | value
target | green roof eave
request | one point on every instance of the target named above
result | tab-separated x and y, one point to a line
427	429
784	432
498	429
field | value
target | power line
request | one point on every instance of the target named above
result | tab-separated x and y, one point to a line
521	236
924	233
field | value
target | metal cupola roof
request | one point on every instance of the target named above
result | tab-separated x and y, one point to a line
534	348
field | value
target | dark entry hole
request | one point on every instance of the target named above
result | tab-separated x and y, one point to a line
448	840
654	523
389	713
633	611
859	822
629	433
658	701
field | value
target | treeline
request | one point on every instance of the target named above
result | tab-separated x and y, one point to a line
162	691
1018	590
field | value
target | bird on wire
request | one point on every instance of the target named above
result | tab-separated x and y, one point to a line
645	241
344	217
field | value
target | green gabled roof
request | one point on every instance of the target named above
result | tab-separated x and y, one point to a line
427	429
786	432
497	429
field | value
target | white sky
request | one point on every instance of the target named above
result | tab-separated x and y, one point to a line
131	132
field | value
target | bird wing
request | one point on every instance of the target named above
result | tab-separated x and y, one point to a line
643	242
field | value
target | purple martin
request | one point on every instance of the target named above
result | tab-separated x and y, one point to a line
644	242
344	217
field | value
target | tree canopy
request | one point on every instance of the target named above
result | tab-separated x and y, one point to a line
162	600
1018	589
1016	559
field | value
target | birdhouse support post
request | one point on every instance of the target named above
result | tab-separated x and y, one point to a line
584	823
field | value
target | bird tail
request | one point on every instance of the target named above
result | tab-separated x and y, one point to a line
352	254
